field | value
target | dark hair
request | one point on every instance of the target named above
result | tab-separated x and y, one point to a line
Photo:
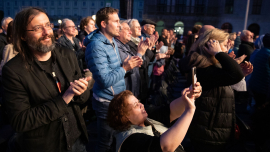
22	19
118	110
163	29
85	21
191	39
9	32
266	40
196	29
103	15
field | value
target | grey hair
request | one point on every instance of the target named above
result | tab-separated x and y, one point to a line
244	33
4	20
64	22
121	22
130	22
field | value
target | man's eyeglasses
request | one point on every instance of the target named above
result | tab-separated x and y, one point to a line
39	28
74	27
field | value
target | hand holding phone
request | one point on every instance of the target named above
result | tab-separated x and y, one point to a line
194	77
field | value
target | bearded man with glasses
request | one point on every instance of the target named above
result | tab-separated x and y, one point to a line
43	88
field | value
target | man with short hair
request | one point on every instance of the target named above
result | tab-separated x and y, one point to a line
69	40
148	28
148	57
103	60
247	46
3	35
196	29
132	77
43	88
163	37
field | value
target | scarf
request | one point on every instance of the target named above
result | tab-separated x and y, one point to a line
135	40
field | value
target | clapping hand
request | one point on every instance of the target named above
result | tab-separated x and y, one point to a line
232	55
142	46
240	59
76	88
130	63
79	86
159	45
247	68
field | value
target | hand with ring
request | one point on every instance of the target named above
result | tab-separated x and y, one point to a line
213	47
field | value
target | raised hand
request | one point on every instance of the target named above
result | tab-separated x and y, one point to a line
76	88
197	91
247	68
189	100
162	56
79	86
240	59
232	55
142	46
159	45
213	47
130	63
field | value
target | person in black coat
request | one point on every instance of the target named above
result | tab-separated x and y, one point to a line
43	88
213	125
247	46
3	36
148	57
69	41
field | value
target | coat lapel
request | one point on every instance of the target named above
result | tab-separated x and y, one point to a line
42	76
62	60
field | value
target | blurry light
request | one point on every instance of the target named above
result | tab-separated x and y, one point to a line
59	21
94	17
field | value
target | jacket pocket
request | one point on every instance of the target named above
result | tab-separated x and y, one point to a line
112	90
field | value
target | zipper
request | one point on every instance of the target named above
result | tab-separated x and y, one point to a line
112	90
116	54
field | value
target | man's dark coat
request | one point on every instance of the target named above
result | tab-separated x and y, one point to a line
34	110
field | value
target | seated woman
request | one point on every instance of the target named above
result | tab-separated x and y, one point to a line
136	132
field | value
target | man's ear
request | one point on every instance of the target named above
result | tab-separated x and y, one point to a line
103	24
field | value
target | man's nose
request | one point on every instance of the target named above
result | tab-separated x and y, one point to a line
46	31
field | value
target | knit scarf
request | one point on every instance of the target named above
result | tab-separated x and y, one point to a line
135	40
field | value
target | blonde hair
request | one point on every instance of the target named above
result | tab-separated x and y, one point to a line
199	45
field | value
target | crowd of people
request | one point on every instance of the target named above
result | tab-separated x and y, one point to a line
51	77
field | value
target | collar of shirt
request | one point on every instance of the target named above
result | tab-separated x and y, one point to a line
53	56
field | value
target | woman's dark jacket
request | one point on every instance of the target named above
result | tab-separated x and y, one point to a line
214	118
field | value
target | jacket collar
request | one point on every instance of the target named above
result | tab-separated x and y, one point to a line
145	35
248	43
96	36
124	46
36	69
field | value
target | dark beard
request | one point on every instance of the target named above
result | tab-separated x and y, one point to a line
38	46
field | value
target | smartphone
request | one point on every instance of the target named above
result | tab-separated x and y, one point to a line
194	77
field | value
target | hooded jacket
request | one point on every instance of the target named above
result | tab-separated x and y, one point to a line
104	61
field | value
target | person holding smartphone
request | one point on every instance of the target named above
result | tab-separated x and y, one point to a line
213	125
138	129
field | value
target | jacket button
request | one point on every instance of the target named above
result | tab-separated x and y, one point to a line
66	119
